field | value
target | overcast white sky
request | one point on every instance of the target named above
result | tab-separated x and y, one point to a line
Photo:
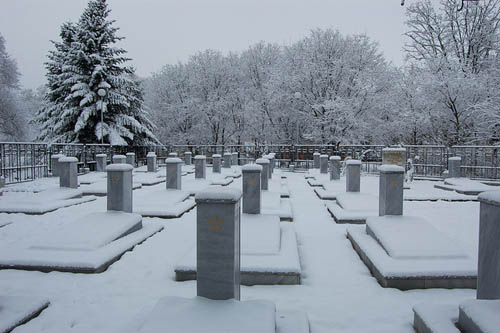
160	32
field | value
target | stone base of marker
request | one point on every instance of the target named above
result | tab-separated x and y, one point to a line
334	167
216	163
174	173
68	172
101	162
119	159
131	159
200	167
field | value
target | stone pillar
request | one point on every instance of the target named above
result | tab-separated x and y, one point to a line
174	173
120	187
101	162
188	156
316	156
391	190
172	154
200	167
264	179
216	161
335	168
269	169
488	270
2	184
454	164
252	195
151	161
54	164
323	164
234	158
394	156
227	160
131	159
68	172
218	243
353	175
273	161
119	159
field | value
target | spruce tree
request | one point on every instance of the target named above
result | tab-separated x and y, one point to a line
85	61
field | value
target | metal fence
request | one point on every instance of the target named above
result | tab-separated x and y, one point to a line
27	161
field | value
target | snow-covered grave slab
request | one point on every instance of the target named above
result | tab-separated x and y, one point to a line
331	189
353	207
41	202
279	185
409	253
282	267
184	315
233	172
467	186
438	318
149	179
87	245
260	234
480	316
100	189
18	310
187	169
163	203
273	204
220	180
426	191
144	168
92	177
37	185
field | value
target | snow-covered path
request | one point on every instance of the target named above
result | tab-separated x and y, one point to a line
337	290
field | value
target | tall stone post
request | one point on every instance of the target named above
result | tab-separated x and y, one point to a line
68	172
394	156
391	190
454	164
353	175
131	159
252	195
264	179
101	162
334	167
488	270
200	167
54	164
119	159
316	156
234	156
119	196
174	173
2	184
323	164
272	159
188	157
227	160
151	161
216	161
218	243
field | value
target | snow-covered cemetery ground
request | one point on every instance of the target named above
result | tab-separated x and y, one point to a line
337	292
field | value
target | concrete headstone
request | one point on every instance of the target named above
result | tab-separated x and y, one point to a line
101	162
216	163
131	159
353	175
334	167
323	164
174	173
227	160
151	161
68	172
200	167
188	156
454	164
316	156
119	182
252	195
391	190
264	179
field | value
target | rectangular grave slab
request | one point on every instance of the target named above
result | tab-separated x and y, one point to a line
164	203
17	310
479	316
273	204
75	261
435	318
426	242
406	274
280	268
260	234
345	216
355	201
100	189
149	179
184	315
91	178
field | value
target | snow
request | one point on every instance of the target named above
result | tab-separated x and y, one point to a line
91	177
216	155
353	162
161	202
484	313
219	194
394	149
200	157
490	197
101	188
67	159
357	201
173	160
316	154
262	161
426	242
119	156
119	167
16	310
227	154
455	158
176	314
260	234
440	318
324	156
391	168
101	155
334	158
151	154
251	167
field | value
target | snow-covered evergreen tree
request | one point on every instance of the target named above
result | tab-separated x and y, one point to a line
85	61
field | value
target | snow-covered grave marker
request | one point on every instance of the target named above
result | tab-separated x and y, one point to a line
174	173
54	162
2	184
216	163
18	310
119	159
188	156
131	159
151	161
334	167
119	196
101	162
353	175
264	163
227	160
394	156
407	252
316	156
269	171
173	154
252	196
480	314
454	165
200	167
234	156
323	163
272	159
68	172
